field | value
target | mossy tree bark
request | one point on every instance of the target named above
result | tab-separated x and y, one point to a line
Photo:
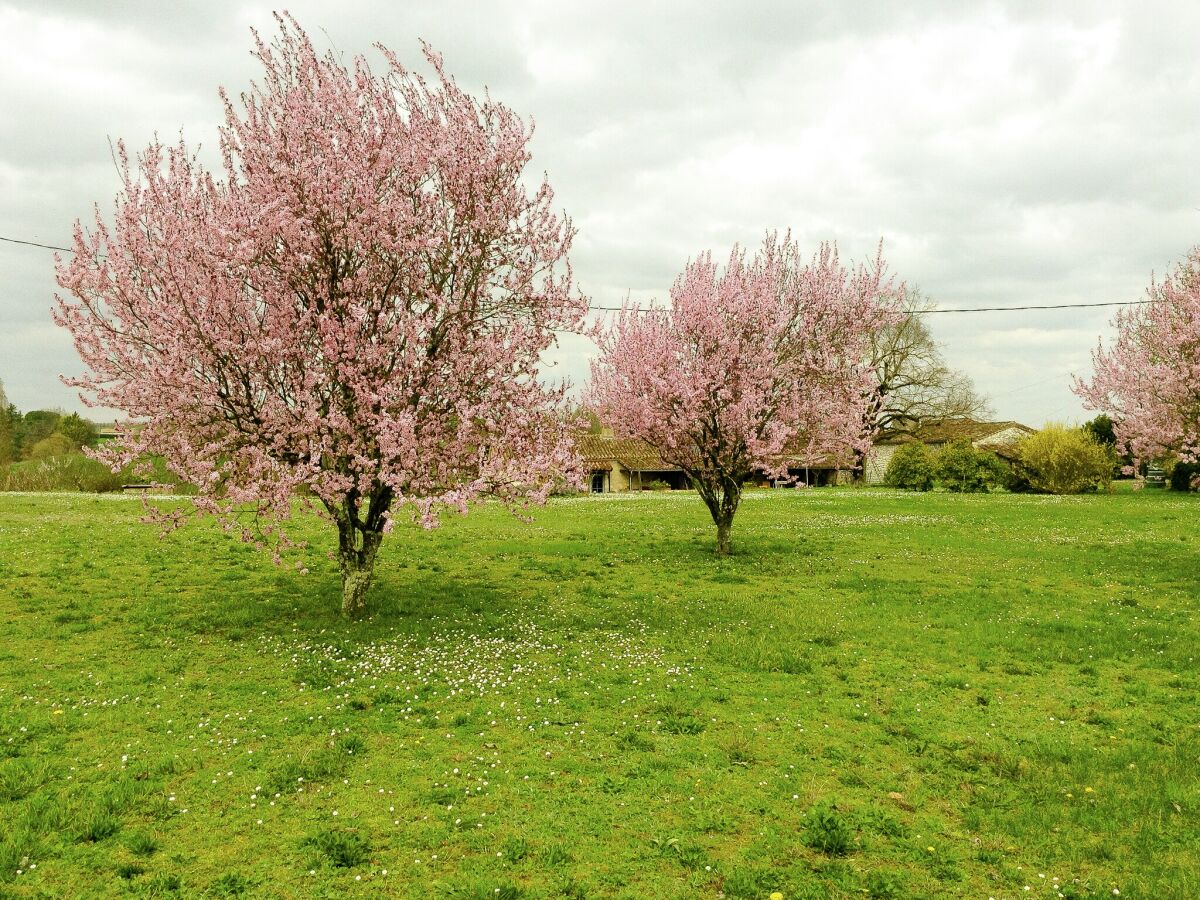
360	524
722	496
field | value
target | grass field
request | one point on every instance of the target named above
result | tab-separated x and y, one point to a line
879	695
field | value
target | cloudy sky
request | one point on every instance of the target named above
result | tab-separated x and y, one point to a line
1007	154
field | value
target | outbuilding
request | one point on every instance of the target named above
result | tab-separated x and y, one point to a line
998	437
619	464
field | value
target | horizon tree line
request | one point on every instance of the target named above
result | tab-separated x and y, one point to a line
41	433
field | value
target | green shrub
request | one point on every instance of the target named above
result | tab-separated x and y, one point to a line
1102	429
657	485
76	472
963	469
911	468
1017	479
35	475
67	472
1185	476
1062	460
79	431
56	444
94	477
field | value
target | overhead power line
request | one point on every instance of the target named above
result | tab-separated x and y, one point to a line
36	244
920	312
974	309
964	309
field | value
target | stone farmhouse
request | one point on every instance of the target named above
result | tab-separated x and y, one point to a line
616	465
998	437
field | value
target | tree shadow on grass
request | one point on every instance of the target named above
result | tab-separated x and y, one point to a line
401	596
204	601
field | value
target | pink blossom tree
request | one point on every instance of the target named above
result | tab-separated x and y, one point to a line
354	310
1148	380
763	362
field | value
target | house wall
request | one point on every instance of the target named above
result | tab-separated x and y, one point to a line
876	463
619	480
616	479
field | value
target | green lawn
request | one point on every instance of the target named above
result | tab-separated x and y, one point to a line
879	695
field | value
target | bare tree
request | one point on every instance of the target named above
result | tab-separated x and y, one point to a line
913	384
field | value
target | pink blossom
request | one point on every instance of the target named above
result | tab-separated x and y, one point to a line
355	307
751	366
1148	380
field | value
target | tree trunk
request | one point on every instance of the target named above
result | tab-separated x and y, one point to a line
356	554
723	542
859	473
722	499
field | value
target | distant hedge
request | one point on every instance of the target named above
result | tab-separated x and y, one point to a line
65	472
963	469
76	472
912	468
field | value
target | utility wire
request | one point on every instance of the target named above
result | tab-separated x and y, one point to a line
1024	387
36	244
966	309
919	312
974	309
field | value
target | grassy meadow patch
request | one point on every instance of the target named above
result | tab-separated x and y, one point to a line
879	695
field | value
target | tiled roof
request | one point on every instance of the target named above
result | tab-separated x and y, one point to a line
955	430
634	455
797	461
797	455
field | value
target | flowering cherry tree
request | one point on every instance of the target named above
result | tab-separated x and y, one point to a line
353	310
763	361
1148	380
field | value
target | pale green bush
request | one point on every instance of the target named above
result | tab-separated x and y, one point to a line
1062	460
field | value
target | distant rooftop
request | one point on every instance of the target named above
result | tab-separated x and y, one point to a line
600	451
950	430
